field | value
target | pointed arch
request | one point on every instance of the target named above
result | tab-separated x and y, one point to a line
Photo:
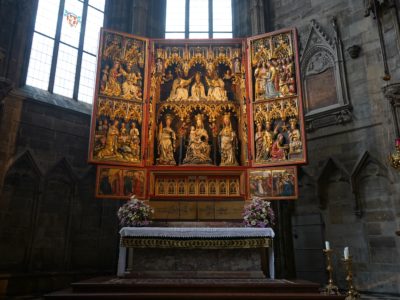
331	171
24	160
366	166
19	201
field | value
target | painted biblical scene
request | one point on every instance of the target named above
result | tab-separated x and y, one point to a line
120	183
117	131
199	137
273	67
274	183
278	135
197	72
122	67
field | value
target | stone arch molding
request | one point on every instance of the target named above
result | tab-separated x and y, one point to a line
28	160
320	53
366	166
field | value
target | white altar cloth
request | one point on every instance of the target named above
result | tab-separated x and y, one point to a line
196	233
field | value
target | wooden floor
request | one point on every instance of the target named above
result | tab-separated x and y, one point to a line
174	288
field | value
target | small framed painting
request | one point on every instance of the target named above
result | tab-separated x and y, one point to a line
120	182
278	183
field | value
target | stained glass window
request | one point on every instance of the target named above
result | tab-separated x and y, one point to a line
64	47
196	19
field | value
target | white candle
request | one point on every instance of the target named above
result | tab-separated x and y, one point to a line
327	246
346	253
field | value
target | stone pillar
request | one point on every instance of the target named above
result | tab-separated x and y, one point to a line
240	19
117	15
16	27
140	14
256	11
250	17
156	22
145	18
392	93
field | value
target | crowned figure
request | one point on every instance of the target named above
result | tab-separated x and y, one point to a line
228	143
166	143
198	149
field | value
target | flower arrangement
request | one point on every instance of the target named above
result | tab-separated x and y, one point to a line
258	213
134	213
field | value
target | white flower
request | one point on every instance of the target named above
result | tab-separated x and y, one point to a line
253	223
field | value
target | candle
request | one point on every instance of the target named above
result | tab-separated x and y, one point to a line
346	253
327	246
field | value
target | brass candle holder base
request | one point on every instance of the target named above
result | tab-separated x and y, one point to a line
352	293
330	288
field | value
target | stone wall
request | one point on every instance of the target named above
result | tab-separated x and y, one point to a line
50	222
348	192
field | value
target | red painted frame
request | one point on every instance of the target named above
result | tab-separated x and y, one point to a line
296	186
145	159
299	97
98	171
96	97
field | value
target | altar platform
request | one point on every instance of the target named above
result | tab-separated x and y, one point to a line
174	288
226	254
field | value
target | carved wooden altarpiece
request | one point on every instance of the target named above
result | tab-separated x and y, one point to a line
196	120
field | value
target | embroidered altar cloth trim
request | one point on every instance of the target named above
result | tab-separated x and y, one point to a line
197	232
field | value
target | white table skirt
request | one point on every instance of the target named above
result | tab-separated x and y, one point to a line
196	232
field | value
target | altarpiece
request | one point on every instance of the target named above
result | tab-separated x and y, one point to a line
197	120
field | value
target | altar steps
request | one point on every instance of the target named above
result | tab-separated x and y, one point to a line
114	288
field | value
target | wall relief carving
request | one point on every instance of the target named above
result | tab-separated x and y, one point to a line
324	79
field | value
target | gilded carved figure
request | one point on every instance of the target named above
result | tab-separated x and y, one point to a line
166	143
295	144
279	148
277	54
264	141
111	143
260	74
228	143
122	68
198	91
135	141
216	88
113	85
271	79
180	90
198	149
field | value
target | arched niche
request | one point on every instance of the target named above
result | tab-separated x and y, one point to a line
18	203
326	98
52	239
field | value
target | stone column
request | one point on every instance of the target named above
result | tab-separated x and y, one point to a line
250	17
117	15
240	19
16	27
156	21
256	11
392	93
140	14
145	18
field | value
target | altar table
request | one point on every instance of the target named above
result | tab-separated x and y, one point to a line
198	238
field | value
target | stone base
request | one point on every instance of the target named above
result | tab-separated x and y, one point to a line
197	262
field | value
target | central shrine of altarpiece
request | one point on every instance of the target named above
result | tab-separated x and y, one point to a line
197	126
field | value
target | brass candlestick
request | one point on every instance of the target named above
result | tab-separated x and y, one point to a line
330	288
352	293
